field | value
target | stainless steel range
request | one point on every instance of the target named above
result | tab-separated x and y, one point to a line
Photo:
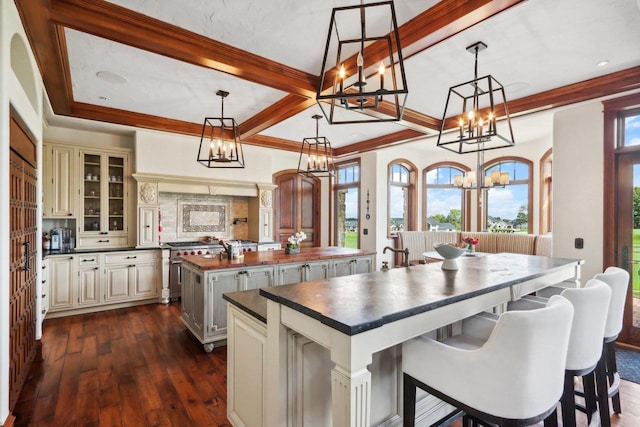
178	249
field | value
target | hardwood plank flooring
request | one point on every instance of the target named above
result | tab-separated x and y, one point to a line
129	367
140	367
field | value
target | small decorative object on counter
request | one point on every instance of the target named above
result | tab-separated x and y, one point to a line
471	243
46	241
293	245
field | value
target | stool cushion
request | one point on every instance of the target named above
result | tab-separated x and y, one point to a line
518	372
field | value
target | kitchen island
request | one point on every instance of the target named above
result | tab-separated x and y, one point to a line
205	278
358	317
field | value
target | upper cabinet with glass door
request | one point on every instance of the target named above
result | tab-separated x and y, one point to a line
103	199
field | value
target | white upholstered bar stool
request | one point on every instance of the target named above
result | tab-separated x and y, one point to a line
590	305
509	374
618	279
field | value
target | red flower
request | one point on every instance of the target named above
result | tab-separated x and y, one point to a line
471	241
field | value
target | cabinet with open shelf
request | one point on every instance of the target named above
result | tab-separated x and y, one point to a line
103	220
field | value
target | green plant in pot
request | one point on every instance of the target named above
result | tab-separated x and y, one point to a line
293	243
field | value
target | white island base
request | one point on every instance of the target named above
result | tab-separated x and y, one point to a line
309	385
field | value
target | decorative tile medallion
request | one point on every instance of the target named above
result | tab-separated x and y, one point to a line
201	217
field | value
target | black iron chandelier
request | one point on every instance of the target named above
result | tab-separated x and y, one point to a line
477	103
366	83
220	145
315	155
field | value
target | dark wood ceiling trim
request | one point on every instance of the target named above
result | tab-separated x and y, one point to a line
376	143
453	15
130	118
272	142
285	108
49	52
112	22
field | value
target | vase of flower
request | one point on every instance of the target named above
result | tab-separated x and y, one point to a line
471	244
292	249
293	243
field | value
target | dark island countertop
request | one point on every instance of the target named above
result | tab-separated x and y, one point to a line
250	302
253	259
358	303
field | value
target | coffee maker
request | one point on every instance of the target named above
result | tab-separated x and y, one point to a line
61	239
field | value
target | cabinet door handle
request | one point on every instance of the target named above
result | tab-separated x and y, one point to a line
70	214
89	260
44	311
44	266
131	265
44	295
44	281
132	257
96	268
103	241
147	226
104	232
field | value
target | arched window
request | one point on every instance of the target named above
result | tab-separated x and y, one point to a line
347	204
546	192
401	197
445	205
508	209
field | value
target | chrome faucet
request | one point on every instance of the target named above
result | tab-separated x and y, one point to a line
405	251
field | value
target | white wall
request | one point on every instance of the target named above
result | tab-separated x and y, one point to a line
578	156
12	93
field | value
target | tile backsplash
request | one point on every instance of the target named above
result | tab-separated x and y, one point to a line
174	207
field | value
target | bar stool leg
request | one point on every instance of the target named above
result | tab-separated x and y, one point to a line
568	402
552	419
409	396
603	395
589	387
612	369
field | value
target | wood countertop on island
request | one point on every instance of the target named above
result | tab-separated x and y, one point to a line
251	259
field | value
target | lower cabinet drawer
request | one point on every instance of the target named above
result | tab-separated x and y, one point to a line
97	242
131	257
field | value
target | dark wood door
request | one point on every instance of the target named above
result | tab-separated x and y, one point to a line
297	207
22	256
628	240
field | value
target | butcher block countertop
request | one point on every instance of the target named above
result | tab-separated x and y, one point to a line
254	259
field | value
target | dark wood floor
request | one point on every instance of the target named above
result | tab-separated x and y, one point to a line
139	367
129	367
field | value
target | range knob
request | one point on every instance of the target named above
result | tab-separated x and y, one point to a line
179	253
193	252
249	249
207	252
199	252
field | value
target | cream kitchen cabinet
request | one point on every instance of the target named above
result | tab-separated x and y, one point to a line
103	280
204	312
348	266
89	276
132	275
62	282
103	199
59	183
147	226
296	272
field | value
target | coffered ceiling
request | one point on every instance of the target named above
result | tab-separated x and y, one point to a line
158	64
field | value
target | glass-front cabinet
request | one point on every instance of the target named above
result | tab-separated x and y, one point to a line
103	197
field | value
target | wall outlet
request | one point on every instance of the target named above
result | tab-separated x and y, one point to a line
365	231
579	243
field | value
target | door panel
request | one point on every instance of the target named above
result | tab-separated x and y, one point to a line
22	254
628	240
297	200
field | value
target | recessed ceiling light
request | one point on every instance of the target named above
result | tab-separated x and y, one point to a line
516	87
602	63
111	77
